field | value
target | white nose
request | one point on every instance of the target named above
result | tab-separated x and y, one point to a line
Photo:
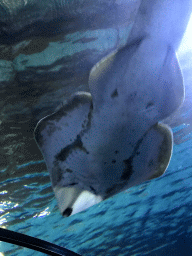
85	200
72	199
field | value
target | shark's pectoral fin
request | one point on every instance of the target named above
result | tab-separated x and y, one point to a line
57	135
165	149
151	156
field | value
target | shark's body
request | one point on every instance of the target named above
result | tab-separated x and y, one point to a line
110	139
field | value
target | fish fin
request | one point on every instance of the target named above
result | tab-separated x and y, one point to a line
165	150
151	155
55	133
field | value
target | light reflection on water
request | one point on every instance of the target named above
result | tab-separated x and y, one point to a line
43	213
3	192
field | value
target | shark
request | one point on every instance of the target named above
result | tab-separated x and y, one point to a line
112	138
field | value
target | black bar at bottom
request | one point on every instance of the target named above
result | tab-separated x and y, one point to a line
33	243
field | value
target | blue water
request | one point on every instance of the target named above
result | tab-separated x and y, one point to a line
151	219
154	218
